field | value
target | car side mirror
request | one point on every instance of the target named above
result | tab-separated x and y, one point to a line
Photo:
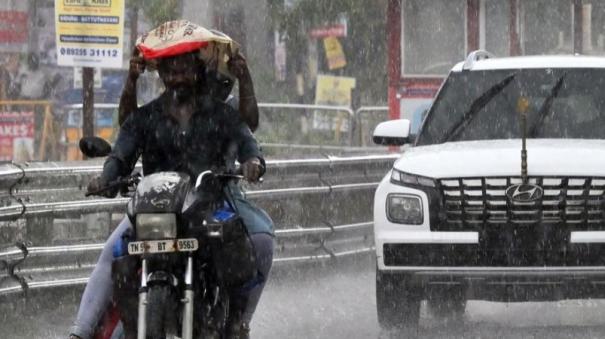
392	132
94	147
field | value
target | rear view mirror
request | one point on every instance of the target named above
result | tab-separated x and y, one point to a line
392	133
203	178
94	147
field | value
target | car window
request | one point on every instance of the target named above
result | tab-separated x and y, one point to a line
575	110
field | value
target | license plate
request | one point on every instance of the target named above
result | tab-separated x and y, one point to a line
162	246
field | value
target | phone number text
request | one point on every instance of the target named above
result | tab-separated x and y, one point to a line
92	52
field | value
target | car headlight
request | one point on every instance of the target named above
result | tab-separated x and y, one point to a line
156	226
405	209
402	178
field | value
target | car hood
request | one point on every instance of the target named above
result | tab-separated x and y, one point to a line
545	157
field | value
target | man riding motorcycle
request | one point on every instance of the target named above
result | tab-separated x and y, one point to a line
220	86
189	131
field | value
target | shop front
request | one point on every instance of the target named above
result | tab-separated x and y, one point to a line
427	37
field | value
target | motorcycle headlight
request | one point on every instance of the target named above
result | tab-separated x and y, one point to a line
156	226
405	209
402	178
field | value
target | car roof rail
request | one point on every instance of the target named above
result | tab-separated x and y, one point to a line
475	56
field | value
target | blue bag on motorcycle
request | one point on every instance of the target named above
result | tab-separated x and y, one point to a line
234	256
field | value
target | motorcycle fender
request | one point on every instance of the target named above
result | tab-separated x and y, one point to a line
125	277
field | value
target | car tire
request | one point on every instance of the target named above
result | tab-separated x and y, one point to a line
397	302
447	303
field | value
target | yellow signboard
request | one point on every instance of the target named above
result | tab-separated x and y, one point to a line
90	33
93	3
334	53
333	91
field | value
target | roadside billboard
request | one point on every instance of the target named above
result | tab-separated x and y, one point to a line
416	97
333	91
14	30
17	136
90	33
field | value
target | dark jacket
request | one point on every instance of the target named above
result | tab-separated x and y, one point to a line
216	136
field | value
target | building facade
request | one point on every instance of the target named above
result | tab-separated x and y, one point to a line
427	37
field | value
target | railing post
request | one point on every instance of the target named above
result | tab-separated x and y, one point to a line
352	127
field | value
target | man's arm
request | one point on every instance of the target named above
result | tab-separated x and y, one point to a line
249	154
122	159
128	100
127	148
248	106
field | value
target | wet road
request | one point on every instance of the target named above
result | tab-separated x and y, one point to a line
336	302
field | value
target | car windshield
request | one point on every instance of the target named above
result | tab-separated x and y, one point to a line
559	103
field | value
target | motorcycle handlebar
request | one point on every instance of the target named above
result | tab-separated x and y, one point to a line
118	183
132	180
238	174
206	175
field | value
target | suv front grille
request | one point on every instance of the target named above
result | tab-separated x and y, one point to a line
478	203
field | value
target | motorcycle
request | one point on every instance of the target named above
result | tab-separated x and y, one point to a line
176	271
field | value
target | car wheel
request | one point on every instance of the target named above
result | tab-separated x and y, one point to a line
447	303
397	302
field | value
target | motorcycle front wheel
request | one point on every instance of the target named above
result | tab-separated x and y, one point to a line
162	312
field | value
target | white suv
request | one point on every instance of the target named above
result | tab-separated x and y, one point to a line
502	195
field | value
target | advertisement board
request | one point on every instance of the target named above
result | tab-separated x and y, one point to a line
333	91
105	127
417	96
16	136
14	28
98	77
334	53
89	33
335	30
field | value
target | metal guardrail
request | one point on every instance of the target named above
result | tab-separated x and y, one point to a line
353	116
31	182
354	138
36	195
347	109
298	149
366	121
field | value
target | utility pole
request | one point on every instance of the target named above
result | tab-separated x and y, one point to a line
32	12
88	99
514	40
577	26
134	26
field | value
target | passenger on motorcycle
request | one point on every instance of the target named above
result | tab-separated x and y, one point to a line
187	130
220	86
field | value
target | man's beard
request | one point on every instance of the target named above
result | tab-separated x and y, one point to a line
181	93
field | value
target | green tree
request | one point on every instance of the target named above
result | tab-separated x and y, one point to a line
156	11
364	46
159	11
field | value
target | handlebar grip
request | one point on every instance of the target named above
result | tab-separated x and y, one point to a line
120	182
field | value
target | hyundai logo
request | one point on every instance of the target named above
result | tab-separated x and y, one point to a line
524	193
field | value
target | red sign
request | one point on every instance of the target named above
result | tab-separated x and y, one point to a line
13	27
337	31
16	136
419	88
